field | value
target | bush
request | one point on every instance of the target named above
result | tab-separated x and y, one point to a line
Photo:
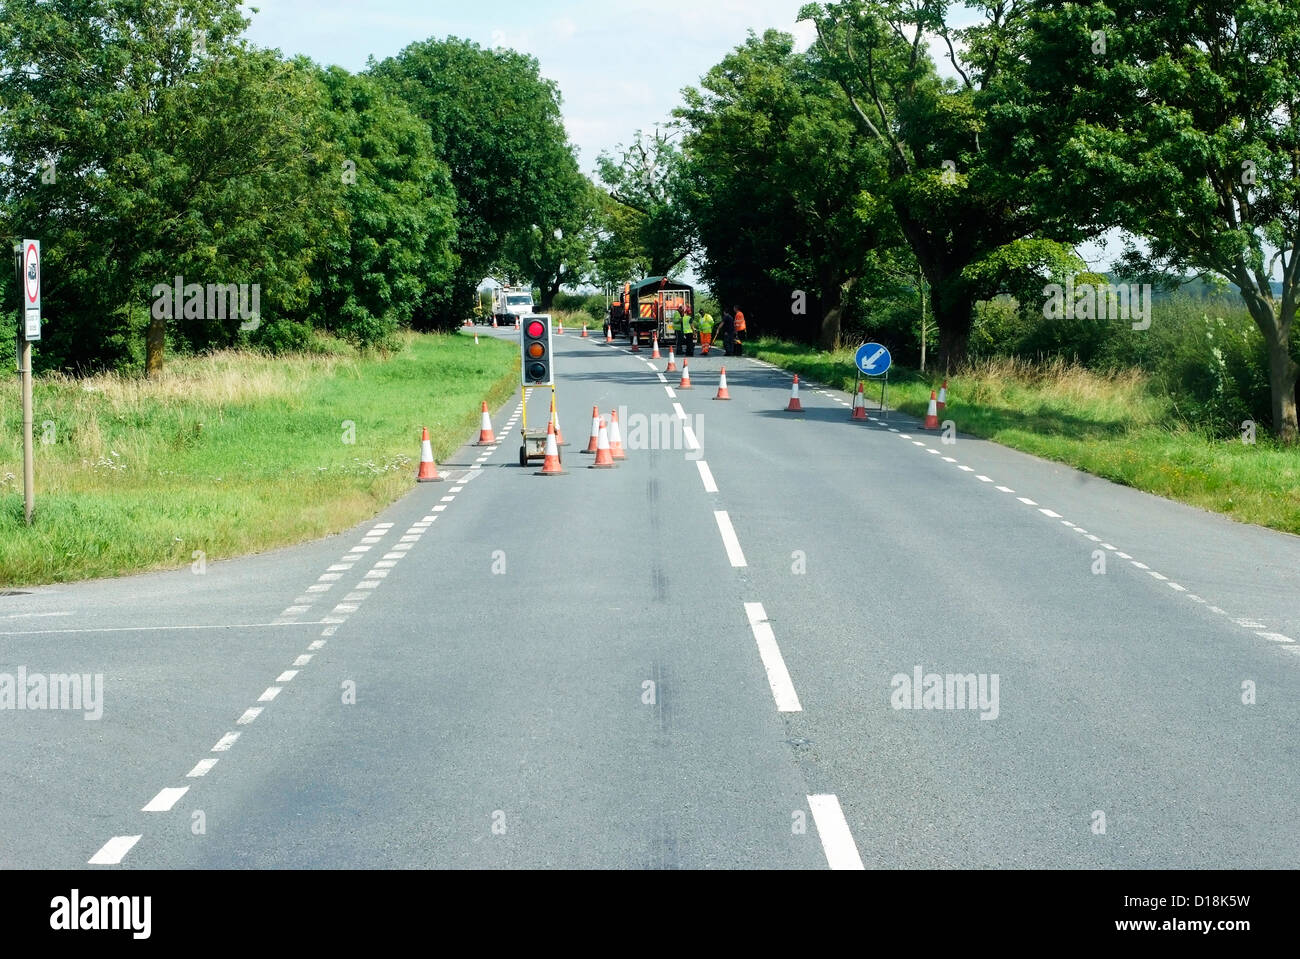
1207	355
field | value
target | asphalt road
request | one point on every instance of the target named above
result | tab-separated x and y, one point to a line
676	665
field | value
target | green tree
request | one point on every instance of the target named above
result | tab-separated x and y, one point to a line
617	253
394	214
1193	138
149	142
643	179
556	251
790	245
497	125
971	182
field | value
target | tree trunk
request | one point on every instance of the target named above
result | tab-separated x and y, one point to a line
833	295
954	319
1282	376
154	344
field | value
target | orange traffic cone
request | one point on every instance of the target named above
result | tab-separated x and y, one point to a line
485	435
494	322
555	419
860	403
685	384
560	329
608	337
655	354
672	362
795	406
584	332
722	386
636	342
604	457
551	465
943	395
476	339
932	414
594	444
615	437
428	468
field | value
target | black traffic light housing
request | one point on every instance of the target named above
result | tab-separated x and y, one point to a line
535	350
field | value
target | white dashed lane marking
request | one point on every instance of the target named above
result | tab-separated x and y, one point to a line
729	538
164	801
201	768
706	475
837	841
113	851
778	677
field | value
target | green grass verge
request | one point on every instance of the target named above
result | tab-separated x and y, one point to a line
1115	427
231	453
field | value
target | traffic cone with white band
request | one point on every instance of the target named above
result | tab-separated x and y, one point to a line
428	468
485	435
604	457
615	437
551	465
860	403
932	414
794	406
722	386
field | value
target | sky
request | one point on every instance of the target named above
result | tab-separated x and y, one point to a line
585	46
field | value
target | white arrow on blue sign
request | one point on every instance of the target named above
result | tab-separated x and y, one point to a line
873	359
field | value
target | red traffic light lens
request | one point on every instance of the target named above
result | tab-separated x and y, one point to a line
535	330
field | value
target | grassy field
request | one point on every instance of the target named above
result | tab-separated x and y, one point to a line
230	453
1116	427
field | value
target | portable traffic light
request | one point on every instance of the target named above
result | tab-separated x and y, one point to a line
535	340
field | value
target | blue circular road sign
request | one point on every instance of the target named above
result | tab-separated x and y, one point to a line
873	359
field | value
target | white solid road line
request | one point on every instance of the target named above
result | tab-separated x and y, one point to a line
837	841
778	677
729	538
112	852
164	801
706	475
